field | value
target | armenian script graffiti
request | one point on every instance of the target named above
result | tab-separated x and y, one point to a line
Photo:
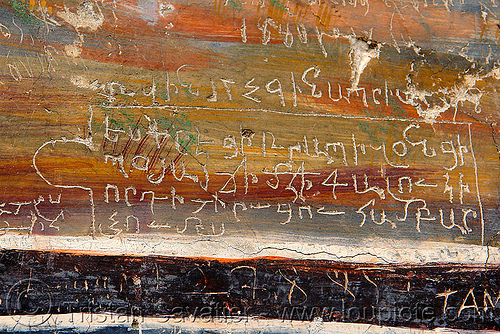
334	158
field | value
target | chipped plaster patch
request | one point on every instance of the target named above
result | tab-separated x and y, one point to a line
86	16
432	113
73	50
495	73
80	81
362	51
166	9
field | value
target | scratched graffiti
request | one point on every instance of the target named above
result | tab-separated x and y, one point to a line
362	132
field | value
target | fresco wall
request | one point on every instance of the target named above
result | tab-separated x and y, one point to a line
230	166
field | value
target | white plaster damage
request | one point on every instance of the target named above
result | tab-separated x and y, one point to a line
362	51
88	16
465	90
165	9
80	81
73	50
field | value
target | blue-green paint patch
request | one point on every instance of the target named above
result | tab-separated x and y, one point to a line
235	5
23	11
279	5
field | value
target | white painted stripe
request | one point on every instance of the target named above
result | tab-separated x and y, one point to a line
84	323
243	247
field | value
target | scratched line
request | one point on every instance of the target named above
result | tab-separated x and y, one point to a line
263	110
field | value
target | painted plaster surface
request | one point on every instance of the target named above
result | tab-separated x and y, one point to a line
355	132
